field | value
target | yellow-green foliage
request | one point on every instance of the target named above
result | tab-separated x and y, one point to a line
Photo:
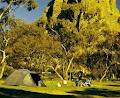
89	5
56	9
90	21
95	10
90	18
68	30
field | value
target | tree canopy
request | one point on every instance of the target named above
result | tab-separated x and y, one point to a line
70	36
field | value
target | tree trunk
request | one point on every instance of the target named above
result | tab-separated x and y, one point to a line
2	70
3	64
104	74
68	68
107	67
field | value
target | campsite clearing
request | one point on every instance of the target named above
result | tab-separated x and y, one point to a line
110	89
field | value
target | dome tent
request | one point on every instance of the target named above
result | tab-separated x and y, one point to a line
23	77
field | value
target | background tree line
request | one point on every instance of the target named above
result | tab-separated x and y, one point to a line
70	36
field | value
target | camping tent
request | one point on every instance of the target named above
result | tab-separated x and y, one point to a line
23	77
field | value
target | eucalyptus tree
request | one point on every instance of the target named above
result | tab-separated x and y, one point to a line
82	26
9	6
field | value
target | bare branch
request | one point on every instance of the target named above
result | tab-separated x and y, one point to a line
57	73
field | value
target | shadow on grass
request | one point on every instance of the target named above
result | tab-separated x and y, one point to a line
114	85
98	92
87	93
12	93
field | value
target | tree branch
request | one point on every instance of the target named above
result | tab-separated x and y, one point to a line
7	8
57	73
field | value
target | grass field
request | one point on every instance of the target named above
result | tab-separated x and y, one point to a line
109	89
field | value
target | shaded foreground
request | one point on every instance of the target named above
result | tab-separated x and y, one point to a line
87	93
98	90
12	93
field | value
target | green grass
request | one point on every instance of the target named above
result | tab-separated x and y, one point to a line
109	89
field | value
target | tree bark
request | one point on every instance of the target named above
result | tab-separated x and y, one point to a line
3	64
104	74
107	68
68	68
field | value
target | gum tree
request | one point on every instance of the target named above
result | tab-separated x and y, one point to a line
9	7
